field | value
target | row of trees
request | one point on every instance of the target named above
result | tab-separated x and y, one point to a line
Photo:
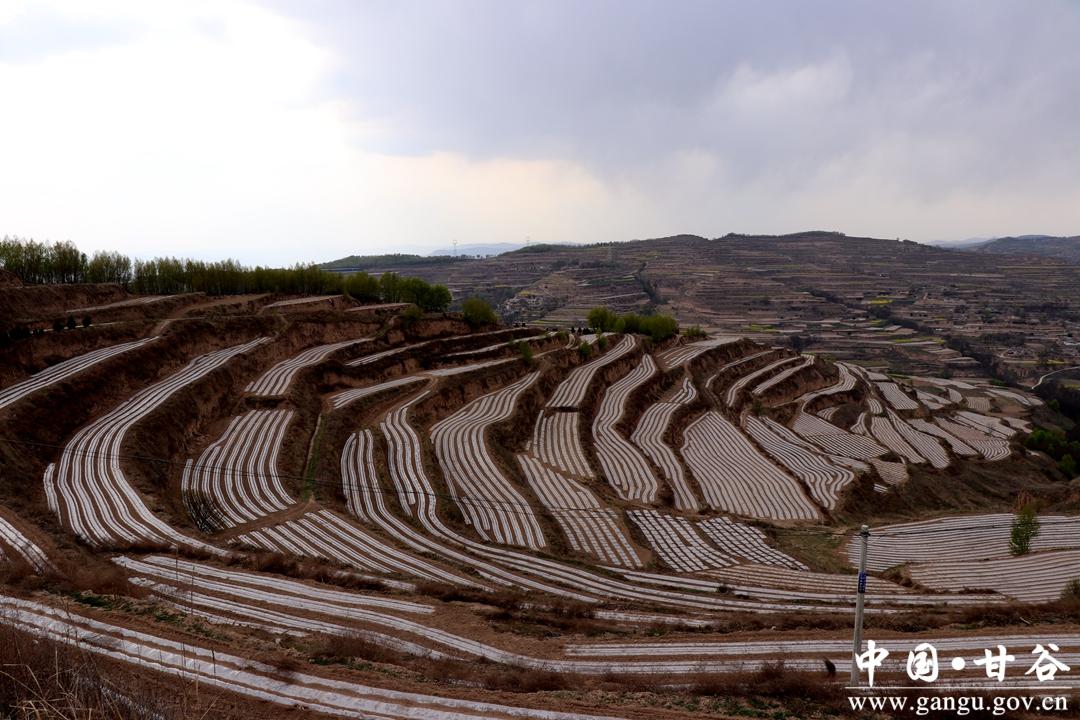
657	327
42	263
39	263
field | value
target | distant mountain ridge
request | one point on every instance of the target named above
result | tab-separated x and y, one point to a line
480	249
1062	248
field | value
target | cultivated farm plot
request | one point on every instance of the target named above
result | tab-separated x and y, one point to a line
528	572
934	402
131	302
886	433
244	676
1036	577
845	383
736	363
556	442
776	583
15	543
824	479
893	473
1016	397
801	580
957	445
649	436
827	413
896	397
986	423
63	370
991	448
960	537
235	480
571	391
488	500
682	354
924	444
345	397
491	348
589	527
745	542
255	586
732	393
781	376
322	534
461	369
277	379
375	357
88	489
736	478
677	543
302	301
835	440
253	602
624	467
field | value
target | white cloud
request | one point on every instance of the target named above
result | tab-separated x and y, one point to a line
209	135
224	128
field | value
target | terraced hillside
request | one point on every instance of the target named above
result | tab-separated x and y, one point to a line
351	512
896	303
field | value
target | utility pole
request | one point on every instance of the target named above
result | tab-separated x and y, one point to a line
856	645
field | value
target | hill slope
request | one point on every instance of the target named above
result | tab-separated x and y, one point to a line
916	307
1062	248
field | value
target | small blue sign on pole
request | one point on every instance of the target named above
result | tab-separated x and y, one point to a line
862	583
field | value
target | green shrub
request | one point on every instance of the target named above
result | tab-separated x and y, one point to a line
603	319
1025	527
524	349
1071	591
1053	443
410	315
1068	465
478	312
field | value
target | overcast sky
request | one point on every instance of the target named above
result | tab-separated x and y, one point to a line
279	131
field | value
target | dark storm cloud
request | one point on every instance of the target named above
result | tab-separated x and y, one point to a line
951	92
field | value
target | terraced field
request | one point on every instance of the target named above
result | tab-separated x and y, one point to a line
489	501
735	477
277	379
623	465
649	436
437	501
235	480
87	486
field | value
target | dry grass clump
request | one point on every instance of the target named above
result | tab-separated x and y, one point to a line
302	569
773	680
47	680
505	599
344	648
